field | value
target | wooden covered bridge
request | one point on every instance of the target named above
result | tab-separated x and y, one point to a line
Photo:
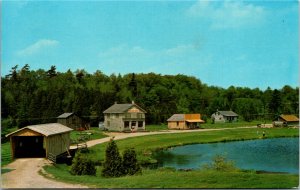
44	140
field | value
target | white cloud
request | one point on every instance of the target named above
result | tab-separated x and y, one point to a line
227	14
37	47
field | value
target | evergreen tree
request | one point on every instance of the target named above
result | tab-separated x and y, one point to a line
82	165
112	166
130	163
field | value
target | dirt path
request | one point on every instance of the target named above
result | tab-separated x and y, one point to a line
25	175
25	171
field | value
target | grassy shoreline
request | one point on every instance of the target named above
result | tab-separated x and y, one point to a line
165	178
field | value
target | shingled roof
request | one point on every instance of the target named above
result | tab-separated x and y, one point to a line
176	117
121	108
228	113
46	129
65	115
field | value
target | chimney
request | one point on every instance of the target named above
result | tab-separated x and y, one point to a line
132	102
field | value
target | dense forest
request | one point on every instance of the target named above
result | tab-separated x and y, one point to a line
39	96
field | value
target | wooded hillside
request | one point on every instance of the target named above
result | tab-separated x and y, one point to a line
30	97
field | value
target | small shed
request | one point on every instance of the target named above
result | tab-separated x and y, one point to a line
290	120
42	140
224	116
184	121
72	120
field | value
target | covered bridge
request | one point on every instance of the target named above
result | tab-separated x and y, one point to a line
44	140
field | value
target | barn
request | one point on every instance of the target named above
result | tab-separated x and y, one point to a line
289	120
73	121
44	140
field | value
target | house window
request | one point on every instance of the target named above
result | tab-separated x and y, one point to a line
128	115
177	123
126	124
139	115
117	115
140	124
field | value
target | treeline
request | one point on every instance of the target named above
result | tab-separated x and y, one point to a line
39	96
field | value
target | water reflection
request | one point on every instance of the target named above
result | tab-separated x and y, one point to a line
274	155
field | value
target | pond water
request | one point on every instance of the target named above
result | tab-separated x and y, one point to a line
272	155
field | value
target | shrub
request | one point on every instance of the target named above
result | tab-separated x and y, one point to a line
112	166
220	163
82	165
130	163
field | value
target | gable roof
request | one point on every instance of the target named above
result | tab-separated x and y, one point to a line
290	118
228	113
121	108
65	115
176	117
46	129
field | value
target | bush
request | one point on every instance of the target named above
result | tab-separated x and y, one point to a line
112	166
82	165
130	163
220	163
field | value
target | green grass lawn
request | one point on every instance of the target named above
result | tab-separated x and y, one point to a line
210	125
156	127
5	153
95	132
170	178
5	147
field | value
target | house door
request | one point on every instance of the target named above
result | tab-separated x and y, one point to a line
133	125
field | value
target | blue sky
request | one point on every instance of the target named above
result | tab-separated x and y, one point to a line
223	43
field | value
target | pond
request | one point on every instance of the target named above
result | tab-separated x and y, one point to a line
271	155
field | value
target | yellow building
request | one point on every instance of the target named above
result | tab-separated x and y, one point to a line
184	121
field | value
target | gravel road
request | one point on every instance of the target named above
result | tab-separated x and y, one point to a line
25	175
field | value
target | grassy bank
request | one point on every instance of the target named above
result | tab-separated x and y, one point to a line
169	178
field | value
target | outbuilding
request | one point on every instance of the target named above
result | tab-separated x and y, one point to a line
44	140
184	121
289	120
73	121
224	116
